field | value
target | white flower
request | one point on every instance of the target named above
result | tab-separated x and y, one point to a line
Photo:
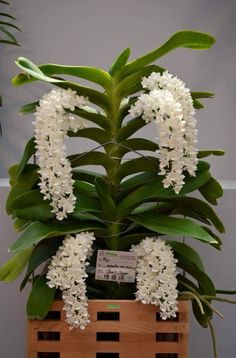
156	276
51	126
67	272
169	104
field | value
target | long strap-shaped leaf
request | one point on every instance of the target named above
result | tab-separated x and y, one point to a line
188	39
38	231
12	40
120	61
154	190
4	14
4	23
93	74
96	134
94	96
171	226
91	158
87	112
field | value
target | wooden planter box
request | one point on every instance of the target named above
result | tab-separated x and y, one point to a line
118	329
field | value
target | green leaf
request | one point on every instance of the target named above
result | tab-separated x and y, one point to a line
134	238
93	74
131	127
29	108
94	96
211	191
185	252
40	299
204	281
197	104
85	203
104	193
154	190
24	183
85	175
4	2
132	84
136	181
14	267
85	188
206	153
4	23
32	206
7	15
188	39
28	152
120	61
20	224
137	165
87	112
196	95
136	144
172	226
201	208
41	252
91	158
38	231
96	134
12	40
92	115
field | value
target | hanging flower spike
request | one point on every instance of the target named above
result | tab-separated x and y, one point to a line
156	276
169	105
51	126
67	272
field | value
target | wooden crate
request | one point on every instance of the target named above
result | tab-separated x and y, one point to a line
118	329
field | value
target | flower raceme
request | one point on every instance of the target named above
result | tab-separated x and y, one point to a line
67	272
52	123
156	276
169	105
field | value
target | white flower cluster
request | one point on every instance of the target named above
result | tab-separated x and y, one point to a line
156	276
169	104
51	126
67	272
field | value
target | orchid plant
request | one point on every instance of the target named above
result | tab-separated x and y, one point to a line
65	213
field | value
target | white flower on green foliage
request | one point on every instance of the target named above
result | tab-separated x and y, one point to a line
156	276
67	272
52	123
169	105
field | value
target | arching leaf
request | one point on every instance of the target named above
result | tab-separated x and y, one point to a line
185	252
91	158
93	74
38	231
32	206
207	153
120	61
40	299
30	150
41	252
172	226
14	267
189	39
94	96
211	191
96	134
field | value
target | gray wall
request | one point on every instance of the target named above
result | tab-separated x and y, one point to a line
92	32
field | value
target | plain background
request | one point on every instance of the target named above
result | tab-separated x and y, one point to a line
93	32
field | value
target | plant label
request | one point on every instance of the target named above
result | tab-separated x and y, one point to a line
119	266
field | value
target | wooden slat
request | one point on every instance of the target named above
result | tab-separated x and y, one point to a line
137	327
